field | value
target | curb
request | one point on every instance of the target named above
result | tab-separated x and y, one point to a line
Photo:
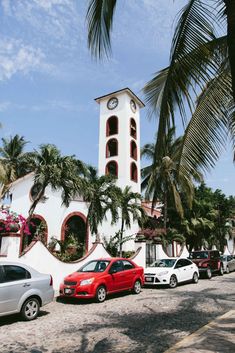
193	338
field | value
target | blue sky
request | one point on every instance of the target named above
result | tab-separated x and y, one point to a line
48	80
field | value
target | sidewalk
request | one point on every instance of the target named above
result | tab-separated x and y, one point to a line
216	337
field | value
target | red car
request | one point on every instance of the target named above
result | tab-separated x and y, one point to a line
100	277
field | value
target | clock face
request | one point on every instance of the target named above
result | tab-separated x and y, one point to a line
112	103
133	105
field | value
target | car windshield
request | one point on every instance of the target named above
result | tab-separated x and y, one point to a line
163	263
95	266
199	255
223	258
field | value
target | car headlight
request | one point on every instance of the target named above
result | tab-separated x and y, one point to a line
86	281
163	273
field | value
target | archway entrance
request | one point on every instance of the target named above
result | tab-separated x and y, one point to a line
37	230
74	232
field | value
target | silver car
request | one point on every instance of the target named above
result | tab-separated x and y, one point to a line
23	290
228	263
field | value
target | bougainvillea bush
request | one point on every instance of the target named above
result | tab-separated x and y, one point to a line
12	222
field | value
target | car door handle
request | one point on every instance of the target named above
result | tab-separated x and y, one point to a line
26	285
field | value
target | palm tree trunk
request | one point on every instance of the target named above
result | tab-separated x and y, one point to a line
165	211
120	239
35	202
230	12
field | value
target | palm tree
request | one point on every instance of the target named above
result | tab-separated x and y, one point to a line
130	210
58	172
161	180
14	161
199	63
100	195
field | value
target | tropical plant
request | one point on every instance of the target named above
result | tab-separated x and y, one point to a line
13	160
200	60
100	195
161	180
130	210
58	172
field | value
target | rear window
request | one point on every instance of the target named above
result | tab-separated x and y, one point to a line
14	273
199	255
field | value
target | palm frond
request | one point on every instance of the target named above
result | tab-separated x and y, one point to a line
99	20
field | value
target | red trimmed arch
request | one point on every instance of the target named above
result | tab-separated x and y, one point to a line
63	227
112	126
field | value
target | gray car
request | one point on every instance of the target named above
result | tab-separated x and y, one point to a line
228	263
23	290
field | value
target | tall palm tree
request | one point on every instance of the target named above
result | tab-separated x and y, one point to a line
14	160
130	210
200	62
100	195
161	180
58	172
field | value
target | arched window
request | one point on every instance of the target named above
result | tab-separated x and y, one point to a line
112	126
37	229
133	128
112	168
112	148
134	175
133	150
74	230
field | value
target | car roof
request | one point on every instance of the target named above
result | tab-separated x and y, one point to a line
14	263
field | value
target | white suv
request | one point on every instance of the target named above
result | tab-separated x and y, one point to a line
23	290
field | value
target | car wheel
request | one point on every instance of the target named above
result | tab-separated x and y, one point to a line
173	282
208	273
30	309
221	270
137	287
195	277
101	294
227	269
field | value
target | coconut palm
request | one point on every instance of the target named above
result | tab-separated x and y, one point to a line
58	172
130	210
14	160
161	180
12	157
199	65
100	195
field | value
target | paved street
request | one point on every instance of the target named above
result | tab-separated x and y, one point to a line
150	322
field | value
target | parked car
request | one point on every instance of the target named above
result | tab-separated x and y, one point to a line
23	290
170	272
100	277
208	262
228	263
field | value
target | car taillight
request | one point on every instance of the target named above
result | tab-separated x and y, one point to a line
51	281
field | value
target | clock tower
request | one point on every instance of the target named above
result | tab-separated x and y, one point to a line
119	137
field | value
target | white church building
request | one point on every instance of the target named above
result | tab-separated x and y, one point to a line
119	154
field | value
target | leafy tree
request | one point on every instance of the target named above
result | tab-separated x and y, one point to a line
58	172
130	210
100	195
161	179
14	161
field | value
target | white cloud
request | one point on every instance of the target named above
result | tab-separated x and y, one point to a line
4	106
17	57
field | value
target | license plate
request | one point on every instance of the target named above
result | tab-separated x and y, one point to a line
148	279
68	291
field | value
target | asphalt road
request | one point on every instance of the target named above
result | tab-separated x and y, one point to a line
150	322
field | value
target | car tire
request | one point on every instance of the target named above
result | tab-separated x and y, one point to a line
173	281
137	287
208	273
30	309
227	269
221	270
195	278
101	294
